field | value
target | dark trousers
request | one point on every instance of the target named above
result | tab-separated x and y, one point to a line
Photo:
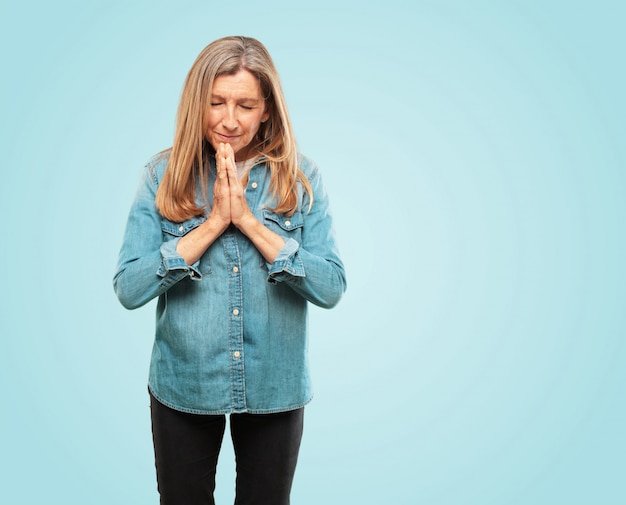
186	448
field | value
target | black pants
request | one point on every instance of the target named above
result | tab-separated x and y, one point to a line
186	448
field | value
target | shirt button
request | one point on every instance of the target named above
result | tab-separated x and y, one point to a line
287	223
235	269
180	228
254	185
236	312
237	354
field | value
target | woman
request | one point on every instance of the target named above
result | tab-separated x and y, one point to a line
231	230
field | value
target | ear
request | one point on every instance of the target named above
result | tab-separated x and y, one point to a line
265	116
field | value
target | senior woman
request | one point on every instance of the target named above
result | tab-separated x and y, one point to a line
231	230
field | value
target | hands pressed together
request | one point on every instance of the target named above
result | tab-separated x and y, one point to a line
229	201
229	206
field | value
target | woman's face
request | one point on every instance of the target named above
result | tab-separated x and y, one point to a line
236	111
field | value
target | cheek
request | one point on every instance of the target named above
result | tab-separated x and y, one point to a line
211	120
254	129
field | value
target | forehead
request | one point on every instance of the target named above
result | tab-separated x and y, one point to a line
241	84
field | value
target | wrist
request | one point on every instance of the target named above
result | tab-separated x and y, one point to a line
246	223
217	223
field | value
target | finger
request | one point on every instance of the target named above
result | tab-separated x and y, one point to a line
220	162
231	169
228	151
230	166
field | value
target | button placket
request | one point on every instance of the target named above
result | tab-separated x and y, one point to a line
235	297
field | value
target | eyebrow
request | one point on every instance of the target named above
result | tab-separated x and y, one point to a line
245	99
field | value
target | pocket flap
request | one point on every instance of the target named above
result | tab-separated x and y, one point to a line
286	222
180	229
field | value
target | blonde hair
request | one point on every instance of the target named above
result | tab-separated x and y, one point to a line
188	167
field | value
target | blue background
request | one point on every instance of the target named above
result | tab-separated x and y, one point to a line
474	153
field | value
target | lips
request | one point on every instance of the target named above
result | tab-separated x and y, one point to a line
227	138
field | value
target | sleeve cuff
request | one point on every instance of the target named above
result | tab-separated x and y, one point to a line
286	263
172	261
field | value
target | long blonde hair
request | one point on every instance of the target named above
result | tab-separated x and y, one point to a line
187	165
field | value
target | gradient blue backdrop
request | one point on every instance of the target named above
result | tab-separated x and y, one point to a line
474	153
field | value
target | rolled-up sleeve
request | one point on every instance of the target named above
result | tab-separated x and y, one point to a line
171	260
312	268
147	266
286	261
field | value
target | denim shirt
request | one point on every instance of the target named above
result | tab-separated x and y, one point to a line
231	329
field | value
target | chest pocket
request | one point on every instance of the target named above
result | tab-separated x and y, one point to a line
171	231
287	226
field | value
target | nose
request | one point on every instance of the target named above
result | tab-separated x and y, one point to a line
230	121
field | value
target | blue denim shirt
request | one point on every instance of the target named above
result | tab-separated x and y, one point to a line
231	329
